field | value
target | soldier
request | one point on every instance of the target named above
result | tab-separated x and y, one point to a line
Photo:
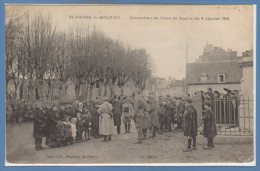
38	128
153	113
190	125
210	130
127	112
161	113
140	106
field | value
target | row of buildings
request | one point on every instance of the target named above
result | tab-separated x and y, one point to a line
215	68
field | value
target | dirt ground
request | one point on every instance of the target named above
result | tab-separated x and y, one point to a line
165	148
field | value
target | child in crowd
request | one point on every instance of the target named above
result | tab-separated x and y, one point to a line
73	123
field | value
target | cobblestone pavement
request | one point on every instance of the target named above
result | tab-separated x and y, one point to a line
165	148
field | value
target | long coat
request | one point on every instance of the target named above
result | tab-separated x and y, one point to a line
39	124
153	112
117	113
106	123
140	107
190	122
210	129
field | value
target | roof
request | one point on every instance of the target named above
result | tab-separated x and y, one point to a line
211	70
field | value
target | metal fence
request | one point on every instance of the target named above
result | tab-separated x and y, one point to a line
234	116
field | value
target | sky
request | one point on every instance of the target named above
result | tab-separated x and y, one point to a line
168	33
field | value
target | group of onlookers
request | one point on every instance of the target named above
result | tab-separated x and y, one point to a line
65	124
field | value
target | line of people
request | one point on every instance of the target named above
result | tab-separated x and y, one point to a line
63	125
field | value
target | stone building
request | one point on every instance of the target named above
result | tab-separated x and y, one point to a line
215	68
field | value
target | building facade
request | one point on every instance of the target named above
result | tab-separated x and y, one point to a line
216	69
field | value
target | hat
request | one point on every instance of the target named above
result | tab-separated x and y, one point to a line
207	104
139	91
55	108
188	100
105	98
216	92
227	90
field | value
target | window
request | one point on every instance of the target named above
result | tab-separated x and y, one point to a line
221	78
203	77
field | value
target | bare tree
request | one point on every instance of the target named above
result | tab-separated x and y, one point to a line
14	58
142	68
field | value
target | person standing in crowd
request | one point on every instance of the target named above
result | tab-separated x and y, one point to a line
87	123
105	120
95	120
190	125
179	113
38	128
73	126
79	127
127	112
140	106
117	113
153	112
52	119
161	113
210	130
170	106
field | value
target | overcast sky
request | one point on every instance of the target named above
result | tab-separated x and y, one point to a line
164	40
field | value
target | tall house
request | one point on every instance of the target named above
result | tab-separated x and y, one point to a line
215	68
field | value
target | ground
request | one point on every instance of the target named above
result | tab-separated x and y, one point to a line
165	148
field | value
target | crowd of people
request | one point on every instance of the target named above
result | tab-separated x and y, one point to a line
67	123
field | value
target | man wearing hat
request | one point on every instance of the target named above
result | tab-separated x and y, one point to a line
140	107
190	125
210	130
127	113
106	123
52	119
170	108
116	103
39	127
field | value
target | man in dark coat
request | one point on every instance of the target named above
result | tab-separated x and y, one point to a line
52	119
95	120
210	130
170	107
117	112
38	128
190	125
179	113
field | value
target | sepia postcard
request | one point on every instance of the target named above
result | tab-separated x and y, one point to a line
130	85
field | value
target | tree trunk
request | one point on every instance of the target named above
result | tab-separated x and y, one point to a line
100	90
37	93
15	88
105	91
21	90
86	92
77	87
122	90
91	91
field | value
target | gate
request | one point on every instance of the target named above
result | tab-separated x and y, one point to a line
233	115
